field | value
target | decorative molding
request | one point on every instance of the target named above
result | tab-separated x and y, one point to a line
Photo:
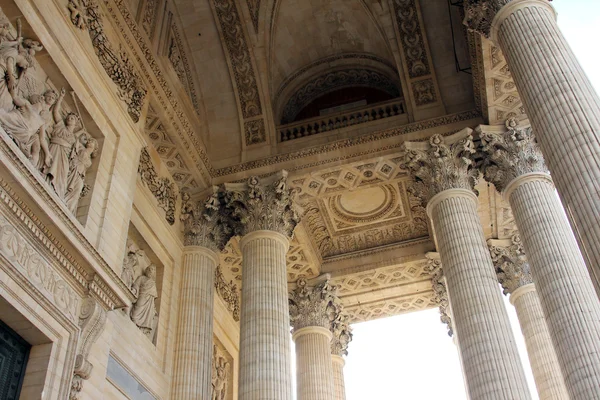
92	320
254	132
262	204
510	153
242	70
254	7
411	38
162	188
347	143
117	65
170	154
179	60
20	214
229	292
330	81
149	16
389	307
442	163
424	92
511	263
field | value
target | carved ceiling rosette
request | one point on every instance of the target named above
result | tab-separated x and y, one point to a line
511	264
442	163
313	303
440	291
262	204
204	222
509	153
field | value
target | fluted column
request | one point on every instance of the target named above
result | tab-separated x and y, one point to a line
341	338
515	276
204	234
516	167
445	178
562	105
312	311
262	213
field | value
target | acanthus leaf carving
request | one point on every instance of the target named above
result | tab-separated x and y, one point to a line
479	14
262	204
442	163
511	263
510	154
440	291
341	332
313	303
162	188
204	223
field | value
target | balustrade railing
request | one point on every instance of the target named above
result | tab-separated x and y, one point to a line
329	123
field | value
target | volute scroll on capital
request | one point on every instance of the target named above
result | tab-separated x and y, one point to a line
204	222
262	204
509	153
441	164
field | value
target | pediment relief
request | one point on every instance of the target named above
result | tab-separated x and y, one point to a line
360	206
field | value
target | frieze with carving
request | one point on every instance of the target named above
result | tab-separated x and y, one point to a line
149	16
86	15
222	373
161	187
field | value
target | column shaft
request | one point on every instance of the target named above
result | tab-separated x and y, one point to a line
265	354
570	304
542	357
314	370
338	377
194	353
491	362
564	111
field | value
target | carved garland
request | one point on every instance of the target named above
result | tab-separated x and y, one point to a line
242	69
162	188
85	14
229	293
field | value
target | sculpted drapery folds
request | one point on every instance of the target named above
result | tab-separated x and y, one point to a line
510	154
143	311
204	222
442	163
262	204
511	263
313	303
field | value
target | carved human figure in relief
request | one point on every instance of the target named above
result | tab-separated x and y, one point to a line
28	118
80	161
219	376
62	142
143	311
129	264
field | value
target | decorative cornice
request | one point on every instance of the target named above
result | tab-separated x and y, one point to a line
441	164
509	154
262	204
162	188
440	292
312	303
85	14
204	223
511	263
348	143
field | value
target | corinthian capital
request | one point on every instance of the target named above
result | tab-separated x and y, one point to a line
341	333
440	164
313	303
509	153
479	14
440	292
511	263
262	204
204	223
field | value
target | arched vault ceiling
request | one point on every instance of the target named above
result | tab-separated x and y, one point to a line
306	31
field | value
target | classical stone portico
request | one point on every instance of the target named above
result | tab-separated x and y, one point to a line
188	186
